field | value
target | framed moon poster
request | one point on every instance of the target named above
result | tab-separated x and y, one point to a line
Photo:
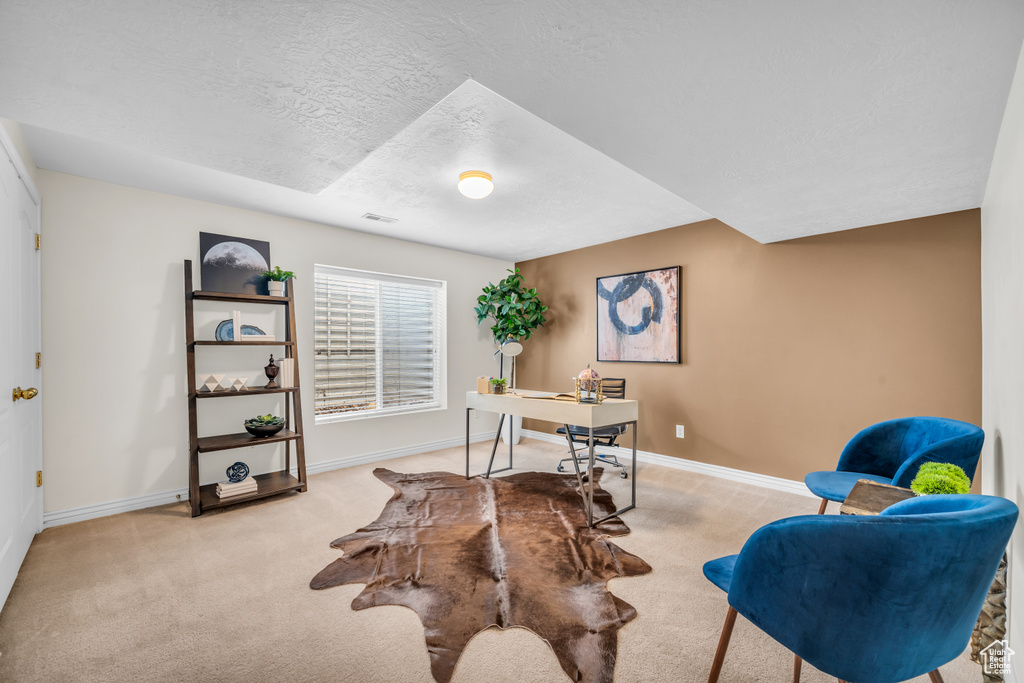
233	264
638	316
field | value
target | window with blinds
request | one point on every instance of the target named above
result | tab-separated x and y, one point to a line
379	344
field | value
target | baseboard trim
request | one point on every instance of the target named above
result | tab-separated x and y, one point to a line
740	476
353	460
114	507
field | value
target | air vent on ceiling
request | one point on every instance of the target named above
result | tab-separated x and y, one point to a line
379	219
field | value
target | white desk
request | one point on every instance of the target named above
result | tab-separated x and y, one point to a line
592	415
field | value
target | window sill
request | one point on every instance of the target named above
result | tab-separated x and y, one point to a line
370	414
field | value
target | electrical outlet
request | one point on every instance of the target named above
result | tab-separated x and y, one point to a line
679	431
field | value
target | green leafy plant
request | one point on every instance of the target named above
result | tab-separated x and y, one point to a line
265	421
515	310
278	275
940	477
498	382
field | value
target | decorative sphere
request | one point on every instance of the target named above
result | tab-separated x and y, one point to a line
237	472
588	379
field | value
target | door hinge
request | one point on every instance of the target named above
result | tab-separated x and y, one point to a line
39	239
39	478
39	360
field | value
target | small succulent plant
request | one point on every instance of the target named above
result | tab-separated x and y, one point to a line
265	421
278	275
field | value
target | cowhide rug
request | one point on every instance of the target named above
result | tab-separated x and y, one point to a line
512	551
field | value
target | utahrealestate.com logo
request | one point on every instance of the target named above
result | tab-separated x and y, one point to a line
996	658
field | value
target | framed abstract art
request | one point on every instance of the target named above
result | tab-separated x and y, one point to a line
638	317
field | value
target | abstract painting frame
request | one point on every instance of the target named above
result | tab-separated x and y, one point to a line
233	264
638	316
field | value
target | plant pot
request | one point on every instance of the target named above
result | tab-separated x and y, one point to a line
263	430
275	288
513	423
497	389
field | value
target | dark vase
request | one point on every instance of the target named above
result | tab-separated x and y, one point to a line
271	371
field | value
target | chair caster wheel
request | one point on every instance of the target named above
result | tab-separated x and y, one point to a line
561	469
624	474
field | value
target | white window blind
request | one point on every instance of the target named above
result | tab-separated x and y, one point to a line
379	343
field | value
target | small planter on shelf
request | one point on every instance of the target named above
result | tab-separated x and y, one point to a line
498	386
264	425
276	280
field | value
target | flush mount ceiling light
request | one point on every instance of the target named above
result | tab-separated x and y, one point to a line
475	184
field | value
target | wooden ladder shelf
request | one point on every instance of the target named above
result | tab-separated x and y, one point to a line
203	498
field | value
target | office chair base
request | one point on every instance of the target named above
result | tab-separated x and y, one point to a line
610	460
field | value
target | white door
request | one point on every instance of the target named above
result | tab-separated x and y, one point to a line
20	418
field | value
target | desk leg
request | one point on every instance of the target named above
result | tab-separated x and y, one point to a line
590	481
494	448
633	473
467	442
636	435
575	464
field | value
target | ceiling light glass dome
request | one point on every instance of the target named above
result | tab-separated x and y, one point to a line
475	184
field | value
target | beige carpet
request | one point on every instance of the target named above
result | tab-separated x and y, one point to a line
154	595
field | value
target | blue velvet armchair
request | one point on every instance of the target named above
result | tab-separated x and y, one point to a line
891	452
869	599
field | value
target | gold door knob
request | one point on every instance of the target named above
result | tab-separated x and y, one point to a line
24	393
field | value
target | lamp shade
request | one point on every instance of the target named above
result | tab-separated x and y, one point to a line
475	184
512	348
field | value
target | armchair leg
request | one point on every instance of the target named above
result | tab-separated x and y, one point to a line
723	645
824	504
935	676
796	668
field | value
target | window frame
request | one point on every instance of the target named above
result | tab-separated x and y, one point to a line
440	336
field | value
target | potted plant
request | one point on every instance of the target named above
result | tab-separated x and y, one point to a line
498	385
276	279
515	313
264	425
515	310
940	477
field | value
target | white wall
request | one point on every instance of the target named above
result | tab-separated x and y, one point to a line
1002	296
115	410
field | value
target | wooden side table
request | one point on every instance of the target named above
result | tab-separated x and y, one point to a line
870	497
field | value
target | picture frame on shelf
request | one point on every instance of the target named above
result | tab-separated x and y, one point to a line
233	264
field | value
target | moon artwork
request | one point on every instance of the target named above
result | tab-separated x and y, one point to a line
233	264
638	316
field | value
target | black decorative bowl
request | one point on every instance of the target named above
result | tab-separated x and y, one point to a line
263	430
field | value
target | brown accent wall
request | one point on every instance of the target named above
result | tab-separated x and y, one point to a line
788	349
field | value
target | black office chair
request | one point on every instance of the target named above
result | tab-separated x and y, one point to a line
613	387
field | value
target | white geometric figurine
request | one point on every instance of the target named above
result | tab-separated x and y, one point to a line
239	384
212	383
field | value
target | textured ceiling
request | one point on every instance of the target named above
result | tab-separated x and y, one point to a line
552	192
783	118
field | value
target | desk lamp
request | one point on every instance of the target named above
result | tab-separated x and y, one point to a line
511	348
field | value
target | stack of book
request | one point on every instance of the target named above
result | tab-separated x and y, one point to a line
239	488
